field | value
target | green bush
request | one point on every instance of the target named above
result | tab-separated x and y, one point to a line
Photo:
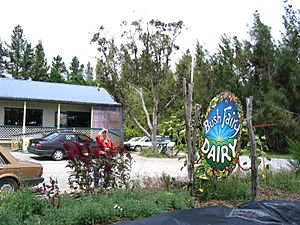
285	181
21	206
24	207
7	216
239	189
232	188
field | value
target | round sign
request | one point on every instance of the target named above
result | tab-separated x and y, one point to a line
222	126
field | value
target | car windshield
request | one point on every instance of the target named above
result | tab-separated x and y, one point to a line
84	138
163	139
144	138
134	139
166	139
51	136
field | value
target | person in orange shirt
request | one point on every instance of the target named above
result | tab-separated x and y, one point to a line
106	149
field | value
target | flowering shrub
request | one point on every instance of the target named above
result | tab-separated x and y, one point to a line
108	169
49	192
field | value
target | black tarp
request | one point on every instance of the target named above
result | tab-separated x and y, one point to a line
272	212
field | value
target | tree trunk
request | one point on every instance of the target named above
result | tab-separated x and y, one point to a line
154	130
254	166
154	121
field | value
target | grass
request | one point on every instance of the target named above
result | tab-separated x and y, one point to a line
149	153
272	154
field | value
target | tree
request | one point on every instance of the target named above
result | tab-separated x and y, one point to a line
89	72
286	78
39	71
2	59
27	62
15	53
269	82
203	75
76	72
226	70
58	70
263	55
138	69
288	64
182	70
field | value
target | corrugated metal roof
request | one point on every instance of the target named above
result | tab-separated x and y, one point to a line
53	92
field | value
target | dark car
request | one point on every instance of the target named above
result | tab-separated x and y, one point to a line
14	172
53	144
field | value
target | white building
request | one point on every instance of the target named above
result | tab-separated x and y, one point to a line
31	108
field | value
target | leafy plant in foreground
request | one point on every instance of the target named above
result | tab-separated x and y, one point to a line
49	193
113	167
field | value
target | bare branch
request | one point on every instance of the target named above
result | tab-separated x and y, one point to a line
167	105
140	93
138	124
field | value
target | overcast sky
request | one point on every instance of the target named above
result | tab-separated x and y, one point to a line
65	27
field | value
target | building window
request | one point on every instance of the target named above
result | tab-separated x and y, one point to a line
74	119
14	116
34	117
79	119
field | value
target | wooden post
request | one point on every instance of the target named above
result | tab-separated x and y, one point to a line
254	165
188	99
188	113
194	149
196	125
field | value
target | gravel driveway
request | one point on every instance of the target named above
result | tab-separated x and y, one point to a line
141	167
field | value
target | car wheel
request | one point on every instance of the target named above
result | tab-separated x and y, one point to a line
58	154
138	148
8	185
